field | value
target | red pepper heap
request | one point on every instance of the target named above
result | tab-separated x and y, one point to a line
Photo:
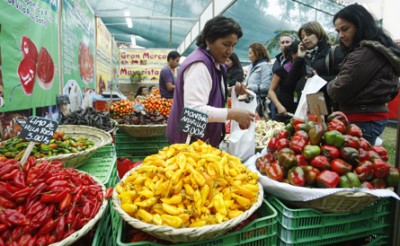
326	155
42	203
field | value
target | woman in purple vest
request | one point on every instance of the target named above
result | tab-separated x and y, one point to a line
200	84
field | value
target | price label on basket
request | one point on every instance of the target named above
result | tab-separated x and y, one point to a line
193	122
37	129
138	107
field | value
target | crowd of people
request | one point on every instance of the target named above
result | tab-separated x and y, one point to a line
362	74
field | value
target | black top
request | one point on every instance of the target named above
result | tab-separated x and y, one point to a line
234	75
285	92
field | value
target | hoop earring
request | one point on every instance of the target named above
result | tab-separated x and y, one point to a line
208	48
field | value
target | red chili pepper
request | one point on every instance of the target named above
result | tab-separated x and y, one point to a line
66	202
61	183
50	210
109	192
69	219
3	227
5	203
4	191
95	209
15	217
56	178
6	168
41	240
51	239
60	228
78	193
69	232
47	228
39	188
86	210
19	179
4	220
82	221
35	208
39	218
32	174
21	195
10	175
24	239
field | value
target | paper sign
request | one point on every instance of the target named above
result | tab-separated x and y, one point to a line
193	122
138	107
38	129
316	103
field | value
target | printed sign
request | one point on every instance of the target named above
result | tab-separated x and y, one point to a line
193	122
138	107
38	129
316	103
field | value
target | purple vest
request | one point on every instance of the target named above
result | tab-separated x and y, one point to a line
214	131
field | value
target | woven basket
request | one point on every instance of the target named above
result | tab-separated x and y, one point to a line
89	226
185	234
142	131
98	136
340	202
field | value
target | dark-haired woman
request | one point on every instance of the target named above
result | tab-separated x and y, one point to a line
142	93
235	70
281	91
200	84
369	76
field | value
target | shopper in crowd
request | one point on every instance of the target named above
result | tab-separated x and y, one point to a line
167	78
235	70
284	41
200	84
142	93
369	76
152	90
312	58
259	75
281	91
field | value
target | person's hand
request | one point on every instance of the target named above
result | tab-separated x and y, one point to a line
301	50
281	110
240	88
241	116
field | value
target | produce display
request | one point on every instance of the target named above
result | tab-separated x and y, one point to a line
143	118
188	186
162	105
265	130
43	203
89	117
118	109
60	144
326	155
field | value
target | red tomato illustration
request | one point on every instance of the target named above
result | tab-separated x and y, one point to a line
29	48
45	69
27	73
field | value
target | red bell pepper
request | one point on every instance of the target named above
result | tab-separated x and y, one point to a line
328	179
351	141
354	130
381	168
295	121
338	115
364	144
301	126
330	151
372	155
340	166
350	155
336	124
365	170
282	134
275	172
296	176
282	143
287	160
379	183
301	160
367	185
382	152
302	134
321	162
310	174
297	144
272	144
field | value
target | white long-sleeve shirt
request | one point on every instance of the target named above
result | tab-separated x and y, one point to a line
197	88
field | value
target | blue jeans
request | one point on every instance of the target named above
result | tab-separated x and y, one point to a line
371	129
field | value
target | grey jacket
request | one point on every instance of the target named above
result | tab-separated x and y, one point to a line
367	80
259	77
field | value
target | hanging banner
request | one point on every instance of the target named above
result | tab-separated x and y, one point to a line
103	41
29	61
78	37
147	61
104	76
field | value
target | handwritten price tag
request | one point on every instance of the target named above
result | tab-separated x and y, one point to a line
38	129
193	122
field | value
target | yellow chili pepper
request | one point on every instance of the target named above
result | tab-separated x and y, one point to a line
197	201
174	221
127	196
242	201
139	180
205	191
175	199
147	203
146	193
129	208
162	188
176	176
188	188
119	188
157	219
234	213
198	223
241	190
171	209
178	187
144	215
219	204
200	180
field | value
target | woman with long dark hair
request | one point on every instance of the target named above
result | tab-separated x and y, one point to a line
235	70
369	76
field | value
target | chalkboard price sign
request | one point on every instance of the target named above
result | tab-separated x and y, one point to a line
38	129
193	122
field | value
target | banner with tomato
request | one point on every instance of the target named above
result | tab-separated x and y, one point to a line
29	61
78	45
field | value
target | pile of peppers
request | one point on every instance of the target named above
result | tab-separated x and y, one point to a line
315	153
42	202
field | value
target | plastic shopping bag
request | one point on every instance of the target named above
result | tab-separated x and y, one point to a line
313	85
241	143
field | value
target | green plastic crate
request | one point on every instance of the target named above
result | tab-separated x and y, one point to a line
105	151
131	146
261	231
306	226
101	168
106	232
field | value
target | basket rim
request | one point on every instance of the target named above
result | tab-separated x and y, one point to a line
171	232
105	137
88	226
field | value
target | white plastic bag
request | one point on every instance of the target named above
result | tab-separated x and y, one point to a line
241	143
313	85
